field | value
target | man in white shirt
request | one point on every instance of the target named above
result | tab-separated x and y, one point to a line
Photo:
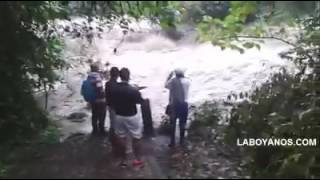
178	103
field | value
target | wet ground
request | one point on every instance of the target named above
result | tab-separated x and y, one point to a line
84	156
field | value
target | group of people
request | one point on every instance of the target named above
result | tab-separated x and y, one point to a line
121	98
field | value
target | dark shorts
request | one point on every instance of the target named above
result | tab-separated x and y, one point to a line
180	110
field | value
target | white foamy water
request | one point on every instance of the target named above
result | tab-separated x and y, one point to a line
151	57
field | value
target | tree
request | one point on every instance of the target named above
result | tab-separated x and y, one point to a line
30	53
29	56
287	106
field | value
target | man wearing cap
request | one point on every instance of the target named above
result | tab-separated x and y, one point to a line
178	102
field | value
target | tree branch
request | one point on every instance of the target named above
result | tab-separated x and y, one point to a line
279	39
138	7
122	10
129	6
268	37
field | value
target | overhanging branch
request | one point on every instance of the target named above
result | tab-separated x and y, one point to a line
279	39
269	37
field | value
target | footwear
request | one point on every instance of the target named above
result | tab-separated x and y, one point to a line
171	145
123	164
94	132
182	144
137	163
103	133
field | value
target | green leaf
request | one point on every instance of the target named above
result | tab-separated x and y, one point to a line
249	45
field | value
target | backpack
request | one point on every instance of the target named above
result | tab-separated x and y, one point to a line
88	89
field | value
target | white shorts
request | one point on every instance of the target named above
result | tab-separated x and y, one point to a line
128	125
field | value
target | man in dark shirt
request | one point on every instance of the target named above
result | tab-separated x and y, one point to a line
127	123
111	86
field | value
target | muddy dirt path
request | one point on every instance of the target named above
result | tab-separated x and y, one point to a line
84	156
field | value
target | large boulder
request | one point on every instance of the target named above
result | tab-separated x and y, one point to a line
77	117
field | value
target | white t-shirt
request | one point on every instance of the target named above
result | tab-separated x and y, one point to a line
185	85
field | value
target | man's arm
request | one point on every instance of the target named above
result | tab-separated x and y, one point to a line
138	97
168	81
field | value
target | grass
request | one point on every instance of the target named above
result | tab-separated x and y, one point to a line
3	169
17	148
50	136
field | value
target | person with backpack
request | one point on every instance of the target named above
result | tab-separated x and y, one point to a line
178	103
93	92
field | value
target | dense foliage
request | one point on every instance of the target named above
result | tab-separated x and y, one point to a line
195	10
31	53
287	106
28	58
162	12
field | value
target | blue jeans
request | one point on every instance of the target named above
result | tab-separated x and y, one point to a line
178	111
